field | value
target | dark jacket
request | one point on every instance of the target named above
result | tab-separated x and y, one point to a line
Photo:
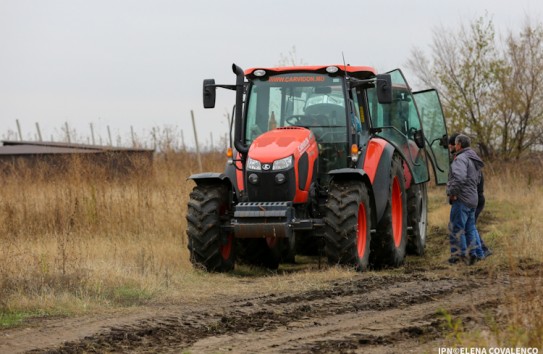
464	177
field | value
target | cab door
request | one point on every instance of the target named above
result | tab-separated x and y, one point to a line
435	132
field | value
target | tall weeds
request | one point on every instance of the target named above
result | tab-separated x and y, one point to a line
83	235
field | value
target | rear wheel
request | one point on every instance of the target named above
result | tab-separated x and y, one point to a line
417	218
209	246
389	245
347	224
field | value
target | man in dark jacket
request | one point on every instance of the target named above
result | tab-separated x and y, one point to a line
464	176
480	193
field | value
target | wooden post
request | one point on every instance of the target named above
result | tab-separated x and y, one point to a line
68	133
109	134
133	137
92	134
39	131
196	140
211	136
153	133
19	130
183	141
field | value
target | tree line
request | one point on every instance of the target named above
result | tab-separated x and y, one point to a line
491	86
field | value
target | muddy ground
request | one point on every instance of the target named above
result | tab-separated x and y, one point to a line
375	312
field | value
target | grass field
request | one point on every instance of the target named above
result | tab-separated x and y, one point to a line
80	243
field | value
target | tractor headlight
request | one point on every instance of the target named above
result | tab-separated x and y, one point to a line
253	165
282	164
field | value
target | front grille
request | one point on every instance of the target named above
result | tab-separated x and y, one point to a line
267	190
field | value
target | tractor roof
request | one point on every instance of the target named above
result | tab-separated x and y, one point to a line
359	72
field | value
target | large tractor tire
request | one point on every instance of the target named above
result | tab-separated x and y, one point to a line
417	218
389	244
209	246
347	224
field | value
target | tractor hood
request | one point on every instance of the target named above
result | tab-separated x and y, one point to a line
282	142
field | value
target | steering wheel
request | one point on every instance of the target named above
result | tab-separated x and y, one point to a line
295	119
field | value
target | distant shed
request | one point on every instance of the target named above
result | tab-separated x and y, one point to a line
51	157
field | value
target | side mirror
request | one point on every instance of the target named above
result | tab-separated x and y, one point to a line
209	93
418	137
384	88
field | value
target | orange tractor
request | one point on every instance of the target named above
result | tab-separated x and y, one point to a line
331	159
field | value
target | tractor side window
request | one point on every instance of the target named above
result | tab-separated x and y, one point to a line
398	122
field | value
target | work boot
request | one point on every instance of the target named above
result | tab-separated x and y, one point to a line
472	259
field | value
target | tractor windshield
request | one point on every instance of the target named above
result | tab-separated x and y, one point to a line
314	101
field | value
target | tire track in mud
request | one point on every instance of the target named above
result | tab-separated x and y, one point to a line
366	312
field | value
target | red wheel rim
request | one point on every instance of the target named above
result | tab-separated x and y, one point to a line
226	249
397	212
361	233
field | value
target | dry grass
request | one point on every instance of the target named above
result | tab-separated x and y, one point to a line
81	236
82	242
511	225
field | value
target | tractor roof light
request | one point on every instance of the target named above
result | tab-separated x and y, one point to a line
332	69
259	73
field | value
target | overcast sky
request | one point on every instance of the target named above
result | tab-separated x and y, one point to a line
140	63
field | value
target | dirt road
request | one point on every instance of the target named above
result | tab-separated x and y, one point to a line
372	312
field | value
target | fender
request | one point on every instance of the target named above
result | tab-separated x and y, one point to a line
377	163
202	178
228	177
357	174
212	177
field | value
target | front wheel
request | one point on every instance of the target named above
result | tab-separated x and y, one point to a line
210	247
347	230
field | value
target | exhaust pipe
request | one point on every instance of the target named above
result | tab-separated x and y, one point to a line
238	142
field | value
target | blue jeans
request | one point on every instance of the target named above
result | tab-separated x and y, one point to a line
463	236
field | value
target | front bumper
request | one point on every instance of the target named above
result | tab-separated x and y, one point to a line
269	219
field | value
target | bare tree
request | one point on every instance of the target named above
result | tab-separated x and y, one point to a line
493	92
463	68
521	101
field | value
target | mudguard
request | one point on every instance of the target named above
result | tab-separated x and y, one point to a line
353	174
377	162
211	177
228	178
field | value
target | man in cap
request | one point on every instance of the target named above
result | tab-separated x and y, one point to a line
464	176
